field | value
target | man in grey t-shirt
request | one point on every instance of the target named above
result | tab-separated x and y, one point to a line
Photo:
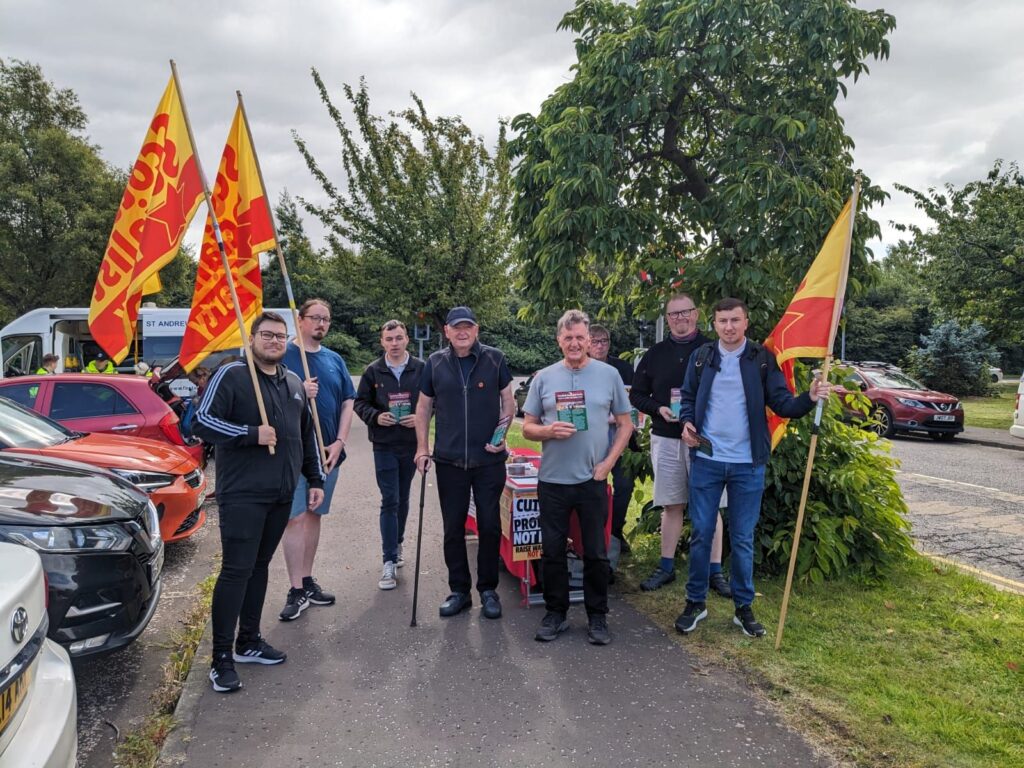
567	410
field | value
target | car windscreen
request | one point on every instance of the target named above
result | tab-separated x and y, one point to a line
891	380
21	428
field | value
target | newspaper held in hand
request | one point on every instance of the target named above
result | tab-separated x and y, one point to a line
400	404
571	407
675	402
501	430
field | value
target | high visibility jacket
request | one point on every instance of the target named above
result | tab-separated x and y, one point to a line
43	372
108	368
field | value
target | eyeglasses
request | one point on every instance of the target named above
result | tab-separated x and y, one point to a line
319	319
599	341
681	313
271	336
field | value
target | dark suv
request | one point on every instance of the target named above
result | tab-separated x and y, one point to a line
900	404
99	540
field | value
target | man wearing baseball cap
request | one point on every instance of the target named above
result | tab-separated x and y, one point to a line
468	388
101	364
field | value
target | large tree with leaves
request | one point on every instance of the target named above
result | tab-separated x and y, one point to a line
974	254
424	209
701	135
57	196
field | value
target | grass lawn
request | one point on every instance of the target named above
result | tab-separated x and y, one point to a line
993	412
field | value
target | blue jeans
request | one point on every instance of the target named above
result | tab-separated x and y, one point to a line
745	484
395	470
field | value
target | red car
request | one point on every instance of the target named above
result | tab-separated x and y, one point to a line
900	404
83	402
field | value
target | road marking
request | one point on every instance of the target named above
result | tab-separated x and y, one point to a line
992	578
996	493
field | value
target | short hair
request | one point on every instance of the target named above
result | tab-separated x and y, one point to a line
309	303
50	358
392	325
595	328
199	372
680	295
729	304
572	317
266	316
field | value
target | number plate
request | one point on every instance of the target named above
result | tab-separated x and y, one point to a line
156	565
13	697
944	417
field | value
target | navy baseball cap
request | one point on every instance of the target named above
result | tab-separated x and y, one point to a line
460	315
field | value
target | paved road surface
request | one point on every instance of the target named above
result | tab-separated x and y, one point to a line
362	688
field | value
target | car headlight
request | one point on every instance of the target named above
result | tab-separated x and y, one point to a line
153	523
910	402
959	405
87	538
145	481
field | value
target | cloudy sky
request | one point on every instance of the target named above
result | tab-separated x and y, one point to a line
941	109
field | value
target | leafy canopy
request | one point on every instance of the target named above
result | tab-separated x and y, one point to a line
701	134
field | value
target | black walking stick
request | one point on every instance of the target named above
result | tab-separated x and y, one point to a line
419	541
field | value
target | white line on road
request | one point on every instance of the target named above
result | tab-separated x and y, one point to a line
995	492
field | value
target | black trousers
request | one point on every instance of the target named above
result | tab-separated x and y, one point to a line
590	500
249	535
453	487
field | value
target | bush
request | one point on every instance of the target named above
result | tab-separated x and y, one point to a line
953	359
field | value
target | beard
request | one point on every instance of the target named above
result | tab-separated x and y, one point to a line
318	335
268	357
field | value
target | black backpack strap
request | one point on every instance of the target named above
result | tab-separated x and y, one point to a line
703	356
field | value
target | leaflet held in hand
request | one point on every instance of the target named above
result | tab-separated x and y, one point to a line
400	404
675	402
500	431
571	406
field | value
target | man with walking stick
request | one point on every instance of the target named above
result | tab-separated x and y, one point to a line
254	488
469	385
727	386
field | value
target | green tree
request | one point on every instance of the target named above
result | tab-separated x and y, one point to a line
974	253
425	206
178	280
694	134
57	196
954	358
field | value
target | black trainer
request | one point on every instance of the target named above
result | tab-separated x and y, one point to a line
297	602
491	604
691	616
258	651
223	677
597	630
314	594
658	579
720	584
550	626
744	619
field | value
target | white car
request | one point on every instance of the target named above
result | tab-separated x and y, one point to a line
1017	428
995	374
38	706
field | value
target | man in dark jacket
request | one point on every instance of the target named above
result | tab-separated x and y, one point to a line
469	386
727	386
254	488
386	400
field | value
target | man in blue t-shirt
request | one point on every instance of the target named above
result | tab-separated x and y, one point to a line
331	385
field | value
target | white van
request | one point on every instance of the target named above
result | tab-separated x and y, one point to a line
64	332
1017	428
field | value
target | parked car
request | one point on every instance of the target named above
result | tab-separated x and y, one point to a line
120	405
900	404
38	705
1017	428
995	374
170	476
99	540
521	393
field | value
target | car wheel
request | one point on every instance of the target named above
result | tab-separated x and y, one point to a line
995	379
882	425
945	437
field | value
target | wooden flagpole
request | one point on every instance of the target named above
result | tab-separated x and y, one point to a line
836	312
224	258
284	275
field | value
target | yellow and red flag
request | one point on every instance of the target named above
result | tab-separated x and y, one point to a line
240	205
808	327
162	195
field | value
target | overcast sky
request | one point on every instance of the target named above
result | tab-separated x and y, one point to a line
941	109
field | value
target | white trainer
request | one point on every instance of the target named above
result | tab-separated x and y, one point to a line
388	580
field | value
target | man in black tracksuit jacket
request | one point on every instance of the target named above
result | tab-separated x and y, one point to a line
470	386
254	488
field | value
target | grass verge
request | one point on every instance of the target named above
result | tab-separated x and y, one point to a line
992	412
140	747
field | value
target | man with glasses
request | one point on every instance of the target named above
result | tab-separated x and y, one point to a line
657	391
331	386
254	489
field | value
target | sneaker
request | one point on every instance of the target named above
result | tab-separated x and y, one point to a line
400	560
657	580
720	584
258	651
597	630
550	626
744	619
297	602
691	616
315	594
223	677
387	577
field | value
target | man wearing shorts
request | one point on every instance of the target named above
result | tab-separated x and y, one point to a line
331	386
657	391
